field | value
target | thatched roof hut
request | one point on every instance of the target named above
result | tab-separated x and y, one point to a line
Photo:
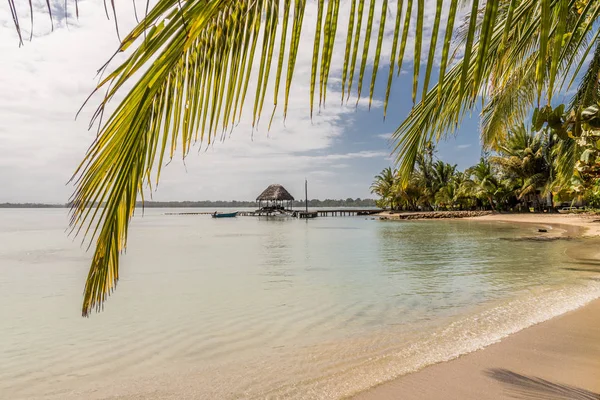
275	192
275	196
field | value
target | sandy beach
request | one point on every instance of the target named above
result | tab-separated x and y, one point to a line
556	359
559	223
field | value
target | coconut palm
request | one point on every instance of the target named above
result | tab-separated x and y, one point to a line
520	71
445	184
481	183
443	174
446	196
461	196
383	186
423	176
186	80
522	158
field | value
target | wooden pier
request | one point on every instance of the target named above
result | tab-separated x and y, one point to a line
306	214
344	212
340	212
264	213
192	213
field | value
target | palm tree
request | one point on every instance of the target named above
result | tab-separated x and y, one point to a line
443	183
481	183
383	186
446	196
521	69
459	191
522	158
408	195
395	194
187	80
422	176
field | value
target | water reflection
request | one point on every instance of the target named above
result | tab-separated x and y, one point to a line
430	260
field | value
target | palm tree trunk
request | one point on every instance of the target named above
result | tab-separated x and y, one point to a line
550	203
491	203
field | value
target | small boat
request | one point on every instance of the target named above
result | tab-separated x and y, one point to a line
225	215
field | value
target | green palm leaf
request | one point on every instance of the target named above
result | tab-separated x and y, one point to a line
186	78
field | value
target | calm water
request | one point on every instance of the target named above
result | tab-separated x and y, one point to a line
254	308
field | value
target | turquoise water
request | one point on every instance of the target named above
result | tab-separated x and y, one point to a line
256	308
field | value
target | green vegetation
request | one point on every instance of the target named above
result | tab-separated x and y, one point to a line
526	171
187	66
315	203
31	205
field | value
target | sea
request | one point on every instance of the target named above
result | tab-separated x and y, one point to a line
256	308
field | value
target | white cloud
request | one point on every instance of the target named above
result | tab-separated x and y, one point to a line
385	136
463	146
44	83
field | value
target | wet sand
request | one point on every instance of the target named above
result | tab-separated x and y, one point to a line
557	359
590	223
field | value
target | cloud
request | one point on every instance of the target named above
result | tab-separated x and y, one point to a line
45	82
463	146
385	136
360	154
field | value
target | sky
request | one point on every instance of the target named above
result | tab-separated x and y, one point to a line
44	83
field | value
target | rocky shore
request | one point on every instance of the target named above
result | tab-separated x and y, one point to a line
433	214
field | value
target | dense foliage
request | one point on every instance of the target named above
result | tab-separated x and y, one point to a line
526	171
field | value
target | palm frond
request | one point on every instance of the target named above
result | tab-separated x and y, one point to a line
191	63
194	88
509	104
588	92
515	50
197	85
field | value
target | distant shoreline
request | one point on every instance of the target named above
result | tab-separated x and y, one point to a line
32	205
362	203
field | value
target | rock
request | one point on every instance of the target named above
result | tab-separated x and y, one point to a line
442	214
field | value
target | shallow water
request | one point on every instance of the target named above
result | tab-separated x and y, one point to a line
255	308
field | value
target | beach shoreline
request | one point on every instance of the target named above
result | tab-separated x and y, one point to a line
555	359
586	225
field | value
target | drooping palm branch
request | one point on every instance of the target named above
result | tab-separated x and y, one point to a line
588	92
192	61
519	68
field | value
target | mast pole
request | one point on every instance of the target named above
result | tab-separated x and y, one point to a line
306	194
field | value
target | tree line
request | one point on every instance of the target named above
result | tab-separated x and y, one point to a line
314	203
532	167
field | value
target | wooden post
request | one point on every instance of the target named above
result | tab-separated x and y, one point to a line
305	194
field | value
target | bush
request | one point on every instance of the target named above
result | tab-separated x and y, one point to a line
592	199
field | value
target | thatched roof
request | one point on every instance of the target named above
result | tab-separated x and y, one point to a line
275	192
